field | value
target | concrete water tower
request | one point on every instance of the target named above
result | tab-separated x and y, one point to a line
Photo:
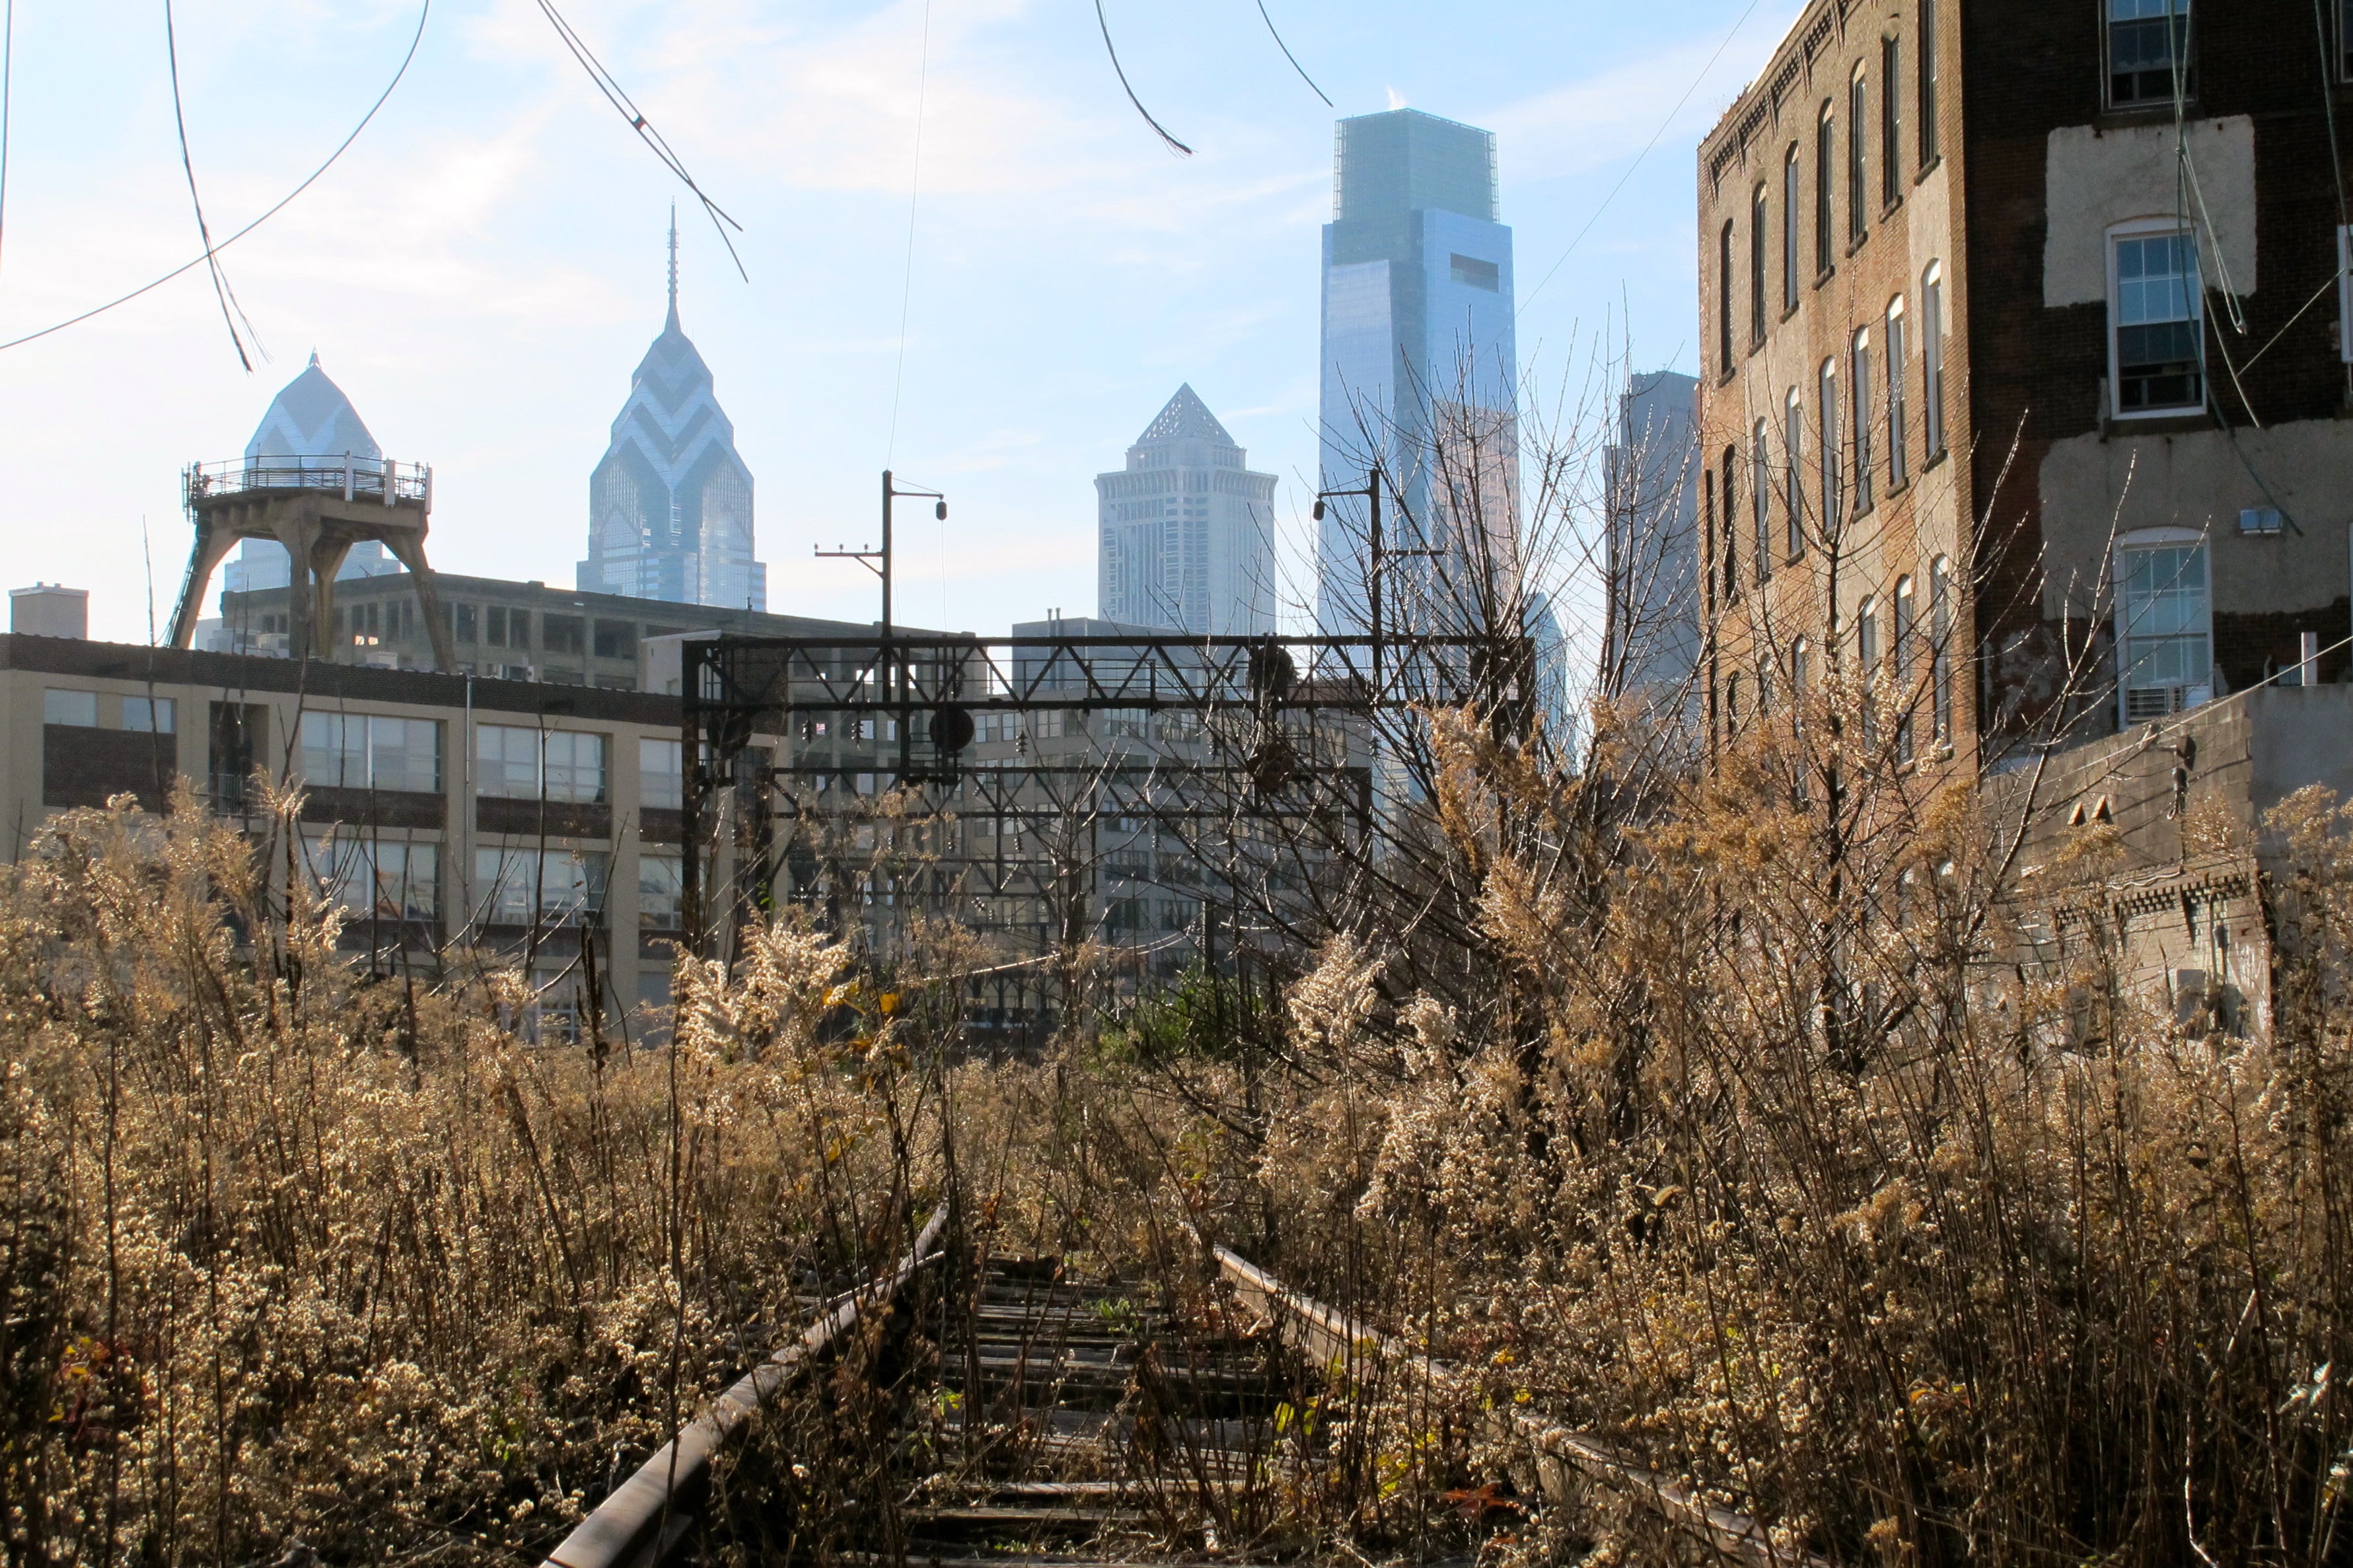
313	480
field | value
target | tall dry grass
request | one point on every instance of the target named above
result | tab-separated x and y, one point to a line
287	1252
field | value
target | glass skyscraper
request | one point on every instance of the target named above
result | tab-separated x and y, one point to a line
1188	530
669	507
1419	361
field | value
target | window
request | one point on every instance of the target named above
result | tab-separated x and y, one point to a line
2159	348
1898	460
496	636
1756	211
662	884
2163	627
1800	653
1940	649
1724	301
1866	667
563	634
150	715
364	751
1791	196
1932	359
575	766
378	881
1473	273
515	763
1825	184
1760	501
467	620
1859	398
1890	121
532	887
2149	52
1832	482
1858	172
616	639
1794	438
75	709
660	781
1731	529
1731	703
2345	284
1901	667
1929	152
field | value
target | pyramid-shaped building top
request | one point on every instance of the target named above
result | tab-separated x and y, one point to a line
1185	419
310	417
669	506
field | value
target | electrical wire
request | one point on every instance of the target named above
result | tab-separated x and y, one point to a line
8	79
1637	163
221	290
620	100
1105	23
907	280
1293	58
423	13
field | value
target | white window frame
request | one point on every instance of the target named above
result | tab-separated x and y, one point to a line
1935	438
2151	229
2345	293
1793	436
2193	696
1892	371
1866	495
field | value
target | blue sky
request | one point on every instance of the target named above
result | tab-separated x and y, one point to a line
484	268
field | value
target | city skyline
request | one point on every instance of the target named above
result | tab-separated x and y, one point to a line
474	271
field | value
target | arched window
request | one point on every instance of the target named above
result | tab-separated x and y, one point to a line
1792	196
1940	649
1825	182
1899	472
1758	206
1932	358
1732	705
1858	174
1730	533
1794	438
1859	397
1867	665
1723	301
1833	482
1760	499
1900	668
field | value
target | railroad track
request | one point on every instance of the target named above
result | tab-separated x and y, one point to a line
1028	1417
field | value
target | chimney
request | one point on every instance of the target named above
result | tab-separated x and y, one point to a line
48	610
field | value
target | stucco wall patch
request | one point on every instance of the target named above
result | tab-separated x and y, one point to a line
2096	177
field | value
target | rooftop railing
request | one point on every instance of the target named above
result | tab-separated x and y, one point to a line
354	478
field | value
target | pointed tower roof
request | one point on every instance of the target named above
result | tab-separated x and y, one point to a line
1185	419
311	418
674	270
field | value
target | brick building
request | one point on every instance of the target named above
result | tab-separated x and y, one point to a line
2028	364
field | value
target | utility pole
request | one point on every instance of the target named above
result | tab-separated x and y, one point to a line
881	562
1376	480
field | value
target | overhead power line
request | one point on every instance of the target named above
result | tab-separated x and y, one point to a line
1105	23
221	290
423	13
620	100
1293	58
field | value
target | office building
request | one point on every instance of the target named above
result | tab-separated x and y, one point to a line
1650	654
310	424
1420	367
669	507
1188	530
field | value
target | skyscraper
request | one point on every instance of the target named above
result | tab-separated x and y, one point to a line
1419	368
1188	530
1652	624
669	507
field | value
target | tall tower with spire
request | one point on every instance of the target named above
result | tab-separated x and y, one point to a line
1188	530
669	507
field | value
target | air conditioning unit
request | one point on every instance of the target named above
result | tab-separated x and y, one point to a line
2143	703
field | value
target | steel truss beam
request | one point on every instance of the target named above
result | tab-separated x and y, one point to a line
735	688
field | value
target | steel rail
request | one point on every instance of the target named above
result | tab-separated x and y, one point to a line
647	1516
1335	1338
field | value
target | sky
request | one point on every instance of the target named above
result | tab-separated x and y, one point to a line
994	308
